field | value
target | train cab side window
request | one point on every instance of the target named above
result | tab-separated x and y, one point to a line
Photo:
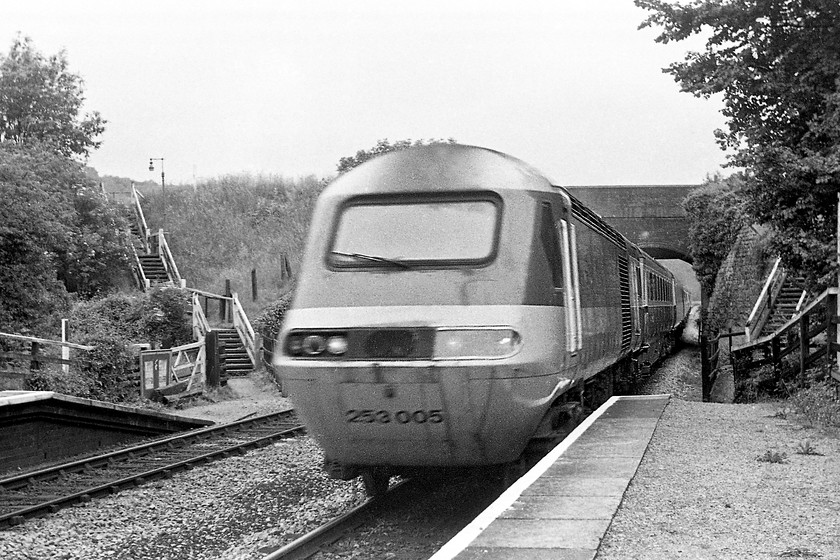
551	246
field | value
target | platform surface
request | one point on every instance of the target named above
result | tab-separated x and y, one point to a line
563	506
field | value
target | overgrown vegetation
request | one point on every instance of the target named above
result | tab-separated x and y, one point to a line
777	66
59	237
383	146
111	325
224	228
715	214
772	456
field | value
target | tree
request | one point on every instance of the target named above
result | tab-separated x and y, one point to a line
383	146
40	99
716	215
58	235
777	65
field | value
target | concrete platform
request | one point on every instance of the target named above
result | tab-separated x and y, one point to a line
562	507
43	426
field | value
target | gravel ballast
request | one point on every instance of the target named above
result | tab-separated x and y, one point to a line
700	492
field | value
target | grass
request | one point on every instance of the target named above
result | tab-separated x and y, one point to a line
770	456
806	448
224	228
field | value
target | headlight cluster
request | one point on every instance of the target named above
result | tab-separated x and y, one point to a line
316	344
448	343
460	344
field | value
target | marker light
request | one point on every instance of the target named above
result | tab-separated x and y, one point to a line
314	344
460	344
337	345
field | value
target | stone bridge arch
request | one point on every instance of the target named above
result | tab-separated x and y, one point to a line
651	216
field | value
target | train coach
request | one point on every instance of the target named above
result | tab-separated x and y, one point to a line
453	306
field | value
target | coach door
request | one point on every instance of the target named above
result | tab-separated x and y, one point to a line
568	244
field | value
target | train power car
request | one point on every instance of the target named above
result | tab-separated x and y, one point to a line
453	305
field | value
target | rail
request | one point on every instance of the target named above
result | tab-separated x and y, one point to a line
46	490
245	330
168	260
172	370
142	281
799	333
764	304
200	324
34	354
142	226
231	311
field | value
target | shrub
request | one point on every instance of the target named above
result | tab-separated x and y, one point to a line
269	322
110	369
818	403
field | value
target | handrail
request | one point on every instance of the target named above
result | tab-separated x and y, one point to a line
757	317
792	321
144	282
801	301
201	326
168	259
141	218
210	295
45	341
798	333
243	327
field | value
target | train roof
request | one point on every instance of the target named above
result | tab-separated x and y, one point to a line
440	167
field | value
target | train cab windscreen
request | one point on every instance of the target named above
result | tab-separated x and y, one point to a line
447	232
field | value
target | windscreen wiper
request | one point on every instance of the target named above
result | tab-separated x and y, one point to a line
373	258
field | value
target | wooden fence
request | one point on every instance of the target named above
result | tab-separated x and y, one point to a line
169	371
803	333
29	353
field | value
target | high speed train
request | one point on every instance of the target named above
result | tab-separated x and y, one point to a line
453	305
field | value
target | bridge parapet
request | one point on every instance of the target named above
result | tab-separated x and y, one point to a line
650	216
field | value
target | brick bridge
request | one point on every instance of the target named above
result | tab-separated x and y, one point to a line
651	216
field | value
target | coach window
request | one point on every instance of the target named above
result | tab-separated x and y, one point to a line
551	247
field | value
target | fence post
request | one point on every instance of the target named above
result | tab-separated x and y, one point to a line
254	284
211	356
35	363
803	348
65	350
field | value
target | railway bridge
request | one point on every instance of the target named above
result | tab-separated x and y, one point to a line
651	216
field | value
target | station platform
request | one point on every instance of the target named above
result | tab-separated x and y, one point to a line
42	426
563	506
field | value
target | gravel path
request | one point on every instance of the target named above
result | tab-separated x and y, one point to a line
702	490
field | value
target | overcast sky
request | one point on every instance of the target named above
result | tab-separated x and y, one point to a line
289	88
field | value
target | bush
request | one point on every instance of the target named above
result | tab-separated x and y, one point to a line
715	214
270	321
110	369
819	404
161	315
224	228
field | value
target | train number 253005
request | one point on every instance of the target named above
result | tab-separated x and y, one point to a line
398	417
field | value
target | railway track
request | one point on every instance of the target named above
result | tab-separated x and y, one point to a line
315	541
48	490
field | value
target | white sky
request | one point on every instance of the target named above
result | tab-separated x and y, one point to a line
282	87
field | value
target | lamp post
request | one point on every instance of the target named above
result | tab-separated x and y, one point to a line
162	184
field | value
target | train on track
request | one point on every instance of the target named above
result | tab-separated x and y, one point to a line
453	305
